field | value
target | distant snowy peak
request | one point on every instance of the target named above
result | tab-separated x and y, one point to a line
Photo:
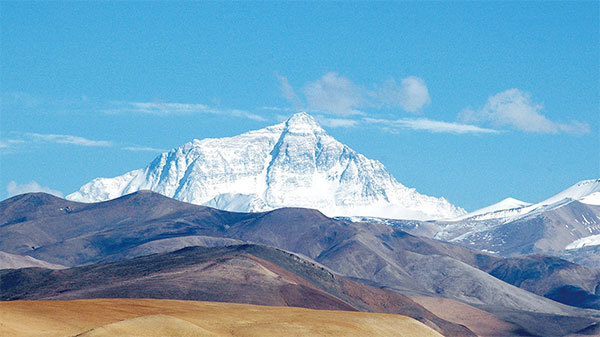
586	191
498	209
291	164
578	191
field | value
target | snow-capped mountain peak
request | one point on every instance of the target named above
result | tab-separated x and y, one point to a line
576	192
302	122
498	208
294	163
585	191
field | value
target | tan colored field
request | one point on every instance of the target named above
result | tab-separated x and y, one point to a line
147	317
480	322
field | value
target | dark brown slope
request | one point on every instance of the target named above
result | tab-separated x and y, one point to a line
88	233
31	206
242	274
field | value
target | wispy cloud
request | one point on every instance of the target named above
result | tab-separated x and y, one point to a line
288	92
337	122
170	108
142	149
9	143
15	189
8	146
422	124
515	108
279	109
68	139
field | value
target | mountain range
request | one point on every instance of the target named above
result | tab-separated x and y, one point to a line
297	164
109	247
289	216
566	225
291	164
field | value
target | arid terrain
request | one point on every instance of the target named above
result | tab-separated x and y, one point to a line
145	245
149	317
480	322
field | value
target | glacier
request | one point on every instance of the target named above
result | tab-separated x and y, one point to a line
291	164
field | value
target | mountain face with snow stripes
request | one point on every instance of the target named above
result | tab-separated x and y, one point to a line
569	220
291	164
509	209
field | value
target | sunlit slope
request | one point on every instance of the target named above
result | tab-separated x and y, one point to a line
146	317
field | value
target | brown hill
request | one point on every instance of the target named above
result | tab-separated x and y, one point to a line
149	318
480	322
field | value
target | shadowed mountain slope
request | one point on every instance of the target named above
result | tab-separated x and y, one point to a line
551	277
549	231
587	256
243	274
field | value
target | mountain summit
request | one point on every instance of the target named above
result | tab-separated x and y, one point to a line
291	164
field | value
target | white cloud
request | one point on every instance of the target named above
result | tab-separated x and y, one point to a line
15	189
411	95
239	113
142	148
334	93
515	108
162	108
338	95
68	139
429	125
167	109
337	122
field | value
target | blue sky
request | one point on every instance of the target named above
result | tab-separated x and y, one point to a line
473	101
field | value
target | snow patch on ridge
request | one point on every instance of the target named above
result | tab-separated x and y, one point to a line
592	240
592	199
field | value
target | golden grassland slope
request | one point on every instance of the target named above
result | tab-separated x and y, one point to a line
150	317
